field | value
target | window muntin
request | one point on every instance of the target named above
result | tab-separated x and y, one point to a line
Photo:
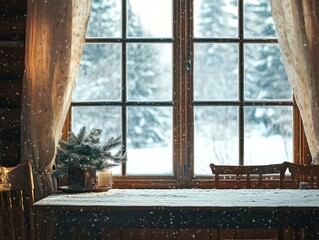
192	77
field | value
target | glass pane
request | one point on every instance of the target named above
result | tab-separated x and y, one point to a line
99	76
265	75
217	18
149	141
258	20
216	137
106	118
268	135
149	18
216	71
105	19
149	71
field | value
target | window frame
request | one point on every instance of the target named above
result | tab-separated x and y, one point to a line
183	103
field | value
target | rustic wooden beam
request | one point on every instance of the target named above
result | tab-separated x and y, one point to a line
12	37
11	57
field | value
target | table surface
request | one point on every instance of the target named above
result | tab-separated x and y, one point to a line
177	208
186	198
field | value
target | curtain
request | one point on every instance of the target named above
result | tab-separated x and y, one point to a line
297	24
54	44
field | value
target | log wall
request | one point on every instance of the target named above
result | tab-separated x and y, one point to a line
12	38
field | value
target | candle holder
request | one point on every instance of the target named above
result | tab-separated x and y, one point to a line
104	179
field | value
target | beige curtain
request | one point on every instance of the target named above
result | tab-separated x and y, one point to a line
297	24
54	43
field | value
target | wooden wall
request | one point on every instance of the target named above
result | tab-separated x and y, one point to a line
12	37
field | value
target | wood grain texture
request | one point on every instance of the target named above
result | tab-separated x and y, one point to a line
11	57
250	176
12	37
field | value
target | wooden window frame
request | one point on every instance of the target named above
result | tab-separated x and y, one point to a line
183	104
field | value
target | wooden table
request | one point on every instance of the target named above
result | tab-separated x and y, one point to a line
178	208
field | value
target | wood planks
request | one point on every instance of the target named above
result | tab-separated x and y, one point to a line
12	37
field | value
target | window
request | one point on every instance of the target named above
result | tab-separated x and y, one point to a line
185	83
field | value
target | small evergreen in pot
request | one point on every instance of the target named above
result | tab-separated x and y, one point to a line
83	154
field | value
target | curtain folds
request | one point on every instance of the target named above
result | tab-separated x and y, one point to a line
297	24
54	45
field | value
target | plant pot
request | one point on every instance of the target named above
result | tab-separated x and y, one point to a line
79	178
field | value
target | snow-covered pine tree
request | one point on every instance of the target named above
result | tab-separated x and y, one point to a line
85	151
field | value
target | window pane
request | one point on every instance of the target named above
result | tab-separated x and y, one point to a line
149	141
216	73
265	76
106	118
268	135
149	71
105	19
149	18
258	19
217	18
216	137
99	76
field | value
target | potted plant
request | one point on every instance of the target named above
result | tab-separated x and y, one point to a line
83	154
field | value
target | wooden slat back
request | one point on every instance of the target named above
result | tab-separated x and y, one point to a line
304	173
246	172
16	200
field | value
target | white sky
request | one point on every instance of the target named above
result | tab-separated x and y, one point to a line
156	15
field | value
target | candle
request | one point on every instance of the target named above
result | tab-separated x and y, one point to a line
104	179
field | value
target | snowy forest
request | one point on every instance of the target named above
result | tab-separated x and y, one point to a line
267	130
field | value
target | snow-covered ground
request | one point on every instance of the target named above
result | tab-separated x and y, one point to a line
258	150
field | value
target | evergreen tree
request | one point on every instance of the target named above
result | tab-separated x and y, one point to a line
105	19
144	82
216	78
265	77
216	74
264	73
100	77
217	18
84	151
100	63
